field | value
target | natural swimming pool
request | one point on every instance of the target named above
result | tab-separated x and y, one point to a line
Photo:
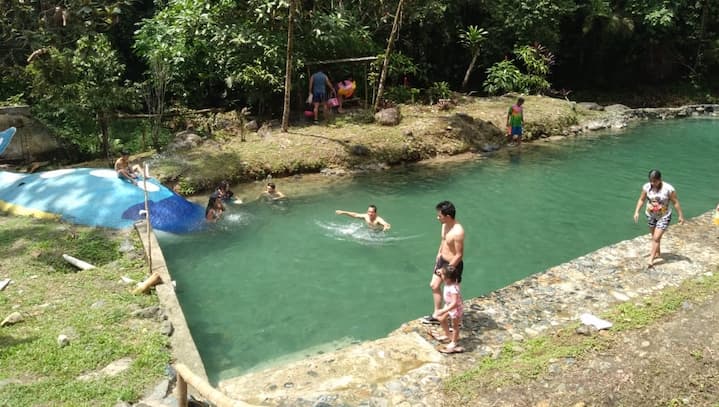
279	280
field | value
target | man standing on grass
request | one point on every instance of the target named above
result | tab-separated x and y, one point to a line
450	254
319	82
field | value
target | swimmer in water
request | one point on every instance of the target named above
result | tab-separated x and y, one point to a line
371	218
271	193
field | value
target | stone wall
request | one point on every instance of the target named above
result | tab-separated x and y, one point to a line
32	142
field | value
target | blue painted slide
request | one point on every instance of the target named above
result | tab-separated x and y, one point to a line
6	138
97	197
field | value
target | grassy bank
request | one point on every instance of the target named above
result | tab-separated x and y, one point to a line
521	362
92	308
349	141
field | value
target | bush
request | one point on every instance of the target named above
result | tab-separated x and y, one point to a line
438	90
14	83
185	187
401	94
503	77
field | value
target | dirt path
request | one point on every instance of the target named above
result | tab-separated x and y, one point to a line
672	362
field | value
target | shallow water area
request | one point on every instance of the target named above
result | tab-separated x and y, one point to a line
289	279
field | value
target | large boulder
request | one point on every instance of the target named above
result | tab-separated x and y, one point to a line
617	108
32	141
388	117
252	125
185	140
265	131
591	105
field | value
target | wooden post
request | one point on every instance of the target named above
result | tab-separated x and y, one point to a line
147	218
146	285
210	393
144	137
181	391
385	64
366	85
288	68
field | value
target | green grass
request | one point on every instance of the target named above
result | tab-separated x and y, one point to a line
336	143
635	315
521	361
92	307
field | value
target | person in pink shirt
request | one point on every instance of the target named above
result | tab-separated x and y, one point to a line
452	311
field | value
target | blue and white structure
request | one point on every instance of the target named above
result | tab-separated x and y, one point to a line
6	138
97	197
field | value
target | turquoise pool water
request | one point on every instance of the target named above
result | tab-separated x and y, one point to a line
288	280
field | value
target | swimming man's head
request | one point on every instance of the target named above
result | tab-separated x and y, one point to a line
372	212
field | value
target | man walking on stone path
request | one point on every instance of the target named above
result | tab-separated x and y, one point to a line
450	254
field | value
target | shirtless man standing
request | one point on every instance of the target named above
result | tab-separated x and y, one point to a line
450	253
373	221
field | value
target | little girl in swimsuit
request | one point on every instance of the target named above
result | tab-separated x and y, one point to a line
452	310
214	210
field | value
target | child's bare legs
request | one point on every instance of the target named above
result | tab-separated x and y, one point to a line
444	323
454	337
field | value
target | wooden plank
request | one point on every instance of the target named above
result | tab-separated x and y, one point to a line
169	114
82	265
340	61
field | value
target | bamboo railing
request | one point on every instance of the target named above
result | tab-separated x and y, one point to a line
204	389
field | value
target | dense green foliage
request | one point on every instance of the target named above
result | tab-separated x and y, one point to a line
201	53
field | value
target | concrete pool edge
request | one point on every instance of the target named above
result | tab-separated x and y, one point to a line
404	369
182	345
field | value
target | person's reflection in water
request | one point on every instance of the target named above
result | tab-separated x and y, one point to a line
515	157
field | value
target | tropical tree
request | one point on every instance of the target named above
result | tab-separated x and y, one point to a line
99	86
472	39
27	27
77	92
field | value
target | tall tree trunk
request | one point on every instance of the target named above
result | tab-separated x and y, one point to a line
385	64
288	67
103	121
470	68
700	35
155	97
